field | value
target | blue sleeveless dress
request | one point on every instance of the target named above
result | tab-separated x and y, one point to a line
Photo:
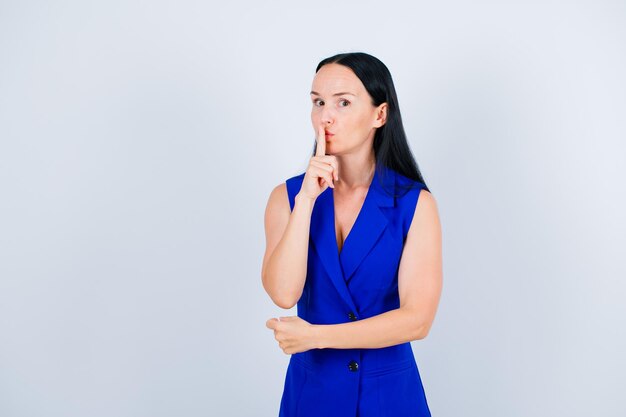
359	282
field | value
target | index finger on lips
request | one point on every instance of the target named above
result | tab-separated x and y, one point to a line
321	141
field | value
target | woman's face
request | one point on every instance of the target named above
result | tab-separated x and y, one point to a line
341	103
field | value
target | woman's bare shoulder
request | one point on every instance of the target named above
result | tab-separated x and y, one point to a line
279	197
277	215
426	213
279	194
278	202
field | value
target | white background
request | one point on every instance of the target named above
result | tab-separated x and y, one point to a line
139	142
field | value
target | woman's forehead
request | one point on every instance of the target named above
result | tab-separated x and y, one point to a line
334	78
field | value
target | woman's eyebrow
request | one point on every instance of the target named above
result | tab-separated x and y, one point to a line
336	94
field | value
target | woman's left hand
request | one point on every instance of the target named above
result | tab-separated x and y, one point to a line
293	334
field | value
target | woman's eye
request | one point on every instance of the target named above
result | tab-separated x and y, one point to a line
317	102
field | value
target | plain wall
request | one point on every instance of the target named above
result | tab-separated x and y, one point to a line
139	142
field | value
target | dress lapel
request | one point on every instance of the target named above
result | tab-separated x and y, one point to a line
368	227
323	237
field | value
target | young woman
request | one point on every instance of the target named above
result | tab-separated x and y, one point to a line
355	242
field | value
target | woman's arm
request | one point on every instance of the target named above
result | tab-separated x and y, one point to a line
420	279
287	244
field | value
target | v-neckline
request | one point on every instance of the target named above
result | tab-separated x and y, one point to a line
356	220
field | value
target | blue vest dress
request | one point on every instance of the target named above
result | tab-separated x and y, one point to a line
359	282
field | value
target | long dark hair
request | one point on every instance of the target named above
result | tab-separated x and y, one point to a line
390	144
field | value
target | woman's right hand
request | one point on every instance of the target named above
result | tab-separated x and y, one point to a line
322	171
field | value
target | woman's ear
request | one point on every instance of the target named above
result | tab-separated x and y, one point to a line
381	115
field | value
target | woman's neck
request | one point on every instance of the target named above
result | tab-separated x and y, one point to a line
355	174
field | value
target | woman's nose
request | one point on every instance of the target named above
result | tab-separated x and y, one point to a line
327	117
